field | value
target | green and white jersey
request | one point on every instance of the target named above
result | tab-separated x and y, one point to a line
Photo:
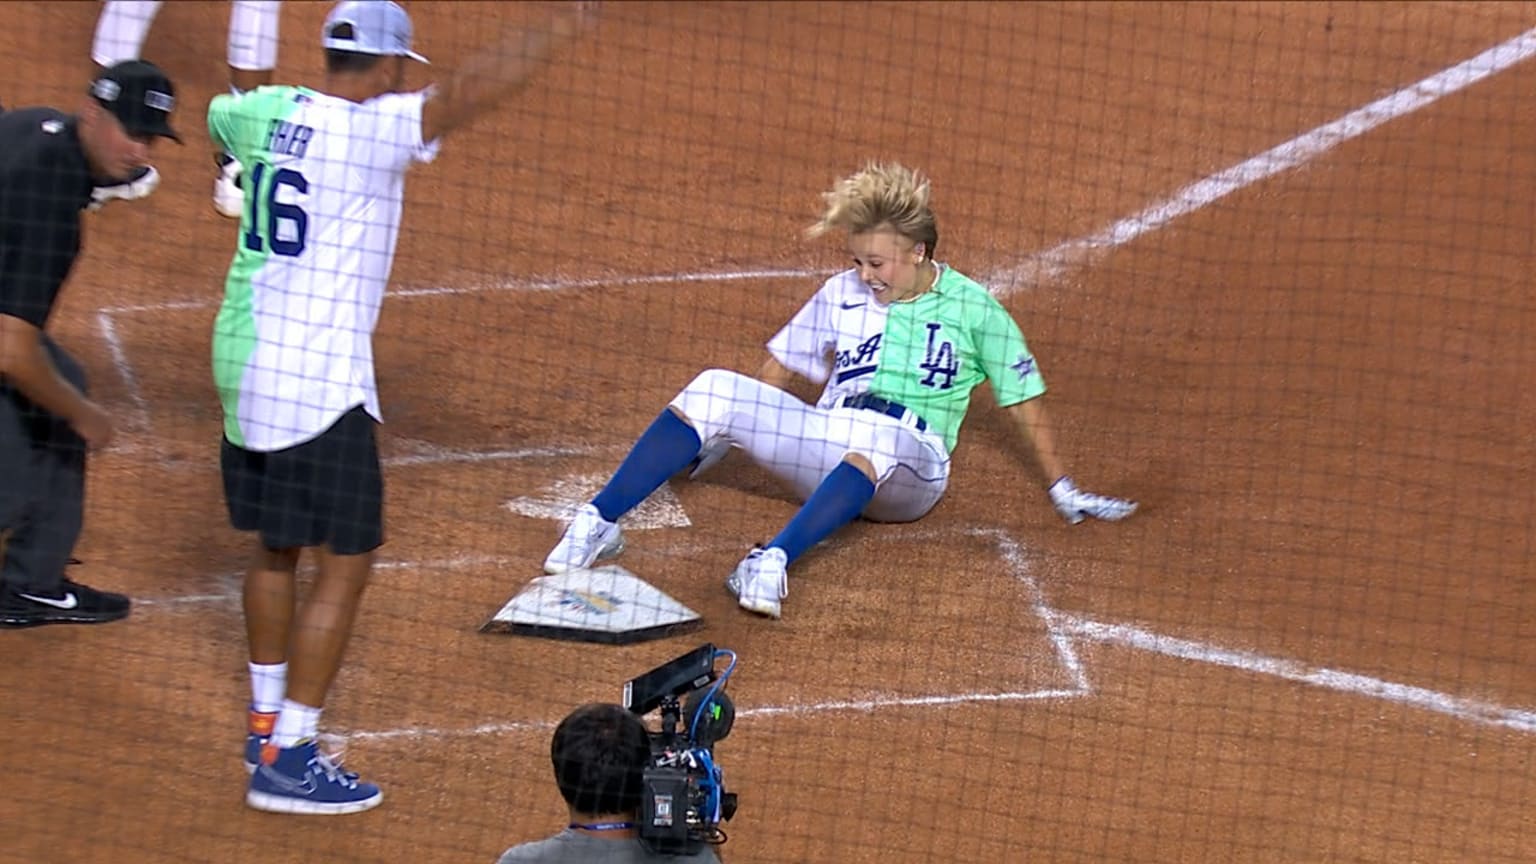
324	183
927	354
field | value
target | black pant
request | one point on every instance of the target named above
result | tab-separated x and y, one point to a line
42	485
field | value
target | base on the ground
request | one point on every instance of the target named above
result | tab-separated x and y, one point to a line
607	604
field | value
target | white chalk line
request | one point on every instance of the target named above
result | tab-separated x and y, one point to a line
1066	653
232	579
520	286
1014	561
852	706
1064	630
108	327
1055	262
432	454
1470	710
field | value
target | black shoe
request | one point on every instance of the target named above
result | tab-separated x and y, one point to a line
71	603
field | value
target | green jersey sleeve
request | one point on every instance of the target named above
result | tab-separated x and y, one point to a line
238	124
221	122
1004	356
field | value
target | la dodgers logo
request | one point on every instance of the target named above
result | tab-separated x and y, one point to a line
939	360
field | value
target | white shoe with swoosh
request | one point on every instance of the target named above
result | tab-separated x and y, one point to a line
588	539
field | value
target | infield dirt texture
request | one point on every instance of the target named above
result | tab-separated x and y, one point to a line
1313	644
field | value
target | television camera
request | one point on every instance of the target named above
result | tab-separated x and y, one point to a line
683	798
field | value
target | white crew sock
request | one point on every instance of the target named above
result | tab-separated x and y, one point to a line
269	683
295	722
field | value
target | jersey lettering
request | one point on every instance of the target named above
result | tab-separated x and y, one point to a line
858	356
939	359
288	139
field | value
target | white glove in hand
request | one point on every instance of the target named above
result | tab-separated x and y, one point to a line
1075	505
129	190
228	196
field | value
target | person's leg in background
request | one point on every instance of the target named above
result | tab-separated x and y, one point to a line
321	631
252	57
267	599
251	52
121	29
42	507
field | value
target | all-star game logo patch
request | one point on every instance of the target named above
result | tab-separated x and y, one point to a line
607	604
588	602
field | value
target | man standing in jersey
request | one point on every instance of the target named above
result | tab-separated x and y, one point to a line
50	162
323	182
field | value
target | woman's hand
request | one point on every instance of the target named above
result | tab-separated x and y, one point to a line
1075	505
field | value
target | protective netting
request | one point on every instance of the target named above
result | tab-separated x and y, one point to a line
1271	261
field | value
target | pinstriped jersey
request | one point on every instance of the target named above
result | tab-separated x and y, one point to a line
324	184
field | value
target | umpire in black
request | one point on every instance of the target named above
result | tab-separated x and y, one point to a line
50	163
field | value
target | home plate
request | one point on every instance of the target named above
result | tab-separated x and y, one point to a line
605	604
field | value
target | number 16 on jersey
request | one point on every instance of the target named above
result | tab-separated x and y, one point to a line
275	224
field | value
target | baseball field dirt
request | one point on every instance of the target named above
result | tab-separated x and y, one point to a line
1309	645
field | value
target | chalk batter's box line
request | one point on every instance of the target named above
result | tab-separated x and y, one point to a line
1052	264
1066	631
107	317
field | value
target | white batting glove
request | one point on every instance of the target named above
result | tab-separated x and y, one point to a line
1075	505
128	190
228	196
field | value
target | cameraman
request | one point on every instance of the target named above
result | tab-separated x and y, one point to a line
599	753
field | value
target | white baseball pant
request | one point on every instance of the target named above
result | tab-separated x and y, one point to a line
800	444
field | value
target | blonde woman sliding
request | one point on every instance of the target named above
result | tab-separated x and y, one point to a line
899	341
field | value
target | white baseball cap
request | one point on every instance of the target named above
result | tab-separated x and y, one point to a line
378	27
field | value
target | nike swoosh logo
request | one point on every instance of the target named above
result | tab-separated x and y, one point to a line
68	601
286	783
854	305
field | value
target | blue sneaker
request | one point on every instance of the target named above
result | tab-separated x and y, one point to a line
300	779
258	730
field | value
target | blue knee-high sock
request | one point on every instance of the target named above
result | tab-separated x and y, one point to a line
839	499
665	448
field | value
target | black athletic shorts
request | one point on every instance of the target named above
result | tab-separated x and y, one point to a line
328	491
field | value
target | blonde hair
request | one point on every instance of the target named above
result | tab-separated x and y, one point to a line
883	194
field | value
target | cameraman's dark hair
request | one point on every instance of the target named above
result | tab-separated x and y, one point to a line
600	752
341	62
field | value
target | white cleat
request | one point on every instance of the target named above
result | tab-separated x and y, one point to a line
228	197
760	581
588	539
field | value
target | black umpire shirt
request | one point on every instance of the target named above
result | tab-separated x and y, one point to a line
44	184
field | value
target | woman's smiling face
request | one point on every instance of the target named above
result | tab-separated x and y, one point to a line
888	263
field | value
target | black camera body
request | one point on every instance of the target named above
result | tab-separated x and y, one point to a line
683	798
